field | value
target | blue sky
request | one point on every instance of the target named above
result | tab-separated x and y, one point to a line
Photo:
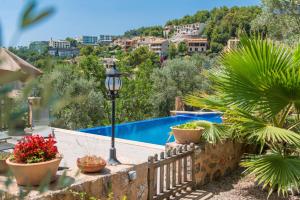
94	17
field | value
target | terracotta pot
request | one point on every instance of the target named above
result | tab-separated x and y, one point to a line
89	167
35	173
187	136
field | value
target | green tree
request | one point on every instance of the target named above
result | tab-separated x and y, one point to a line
86	50
138	66
172	51
280	20
258	90
225	23
178	77
80	104
156	31
72	41
182	48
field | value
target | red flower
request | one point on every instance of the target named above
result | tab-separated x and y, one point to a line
35	148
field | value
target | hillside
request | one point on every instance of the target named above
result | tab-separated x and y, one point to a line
221	24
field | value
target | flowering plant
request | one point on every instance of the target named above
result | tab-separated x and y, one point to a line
34	149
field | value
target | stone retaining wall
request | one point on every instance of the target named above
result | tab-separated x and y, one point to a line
214	161
111	184
114	186
211	162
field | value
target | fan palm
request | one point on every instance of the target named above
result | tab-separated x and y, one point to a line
259	91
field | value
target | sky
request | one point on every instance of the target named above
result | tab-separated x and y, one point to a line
94	17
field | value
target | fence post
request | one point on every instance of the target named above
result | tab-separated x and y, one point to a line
168	155
161	174
185	165
174	169
151	176
179	166
192	147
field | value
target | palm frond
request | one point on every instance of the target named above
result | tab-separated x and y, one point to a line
203	101
213	132
274	172
260	74
274	135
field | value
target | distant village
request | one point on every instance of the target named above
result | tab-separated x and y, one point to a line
190	34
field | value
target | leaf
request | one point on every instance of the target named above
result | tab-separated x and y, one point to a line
261	74
203	101
29	17
213	132
274	172
274	135
43	15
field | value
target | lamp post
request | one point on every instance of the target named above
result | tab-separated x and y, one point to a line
113	84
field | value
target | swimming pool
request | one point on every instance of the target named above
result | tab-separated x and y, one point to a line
154	131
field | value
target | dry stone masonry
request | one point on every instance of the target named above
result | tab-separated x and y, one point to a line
210	162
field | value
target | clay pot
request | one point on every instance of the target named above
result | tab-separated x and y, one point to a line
187	136
34	173
91	164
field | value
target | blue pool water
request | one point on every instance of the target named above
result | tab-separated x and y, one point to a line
154	131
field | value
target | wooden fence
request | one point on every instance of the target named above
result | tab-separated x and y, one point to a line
172	174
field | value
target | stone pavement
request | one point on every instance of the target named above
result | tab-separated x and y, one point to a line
73	144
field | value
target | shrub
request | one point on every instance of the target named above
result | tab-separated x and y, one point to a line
34	149
190	125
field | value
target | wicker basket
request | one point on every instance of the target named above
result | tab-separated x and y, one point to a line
91	164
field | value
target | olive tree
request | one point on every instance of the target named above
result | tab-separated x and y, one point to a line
177	77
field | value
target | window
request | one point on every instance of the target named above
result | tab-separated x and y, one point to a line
196	49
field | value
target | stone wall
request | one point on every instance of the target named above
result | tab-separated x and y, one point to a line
215	161
211	162
113	186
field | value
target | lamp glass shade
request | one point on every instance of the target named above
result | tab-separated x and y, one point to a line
113	83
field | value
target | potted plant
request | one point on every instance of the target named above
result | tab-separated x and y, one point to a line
187	133
91	164
35	159
3	165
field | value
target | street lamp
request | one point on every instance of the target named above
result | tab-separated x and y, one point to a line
113	84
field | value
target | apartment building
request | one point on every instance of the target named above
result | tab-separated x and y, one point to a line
126	43
62	44
157	45
184	30
62	48
167	30
196	45
105	39
232	43
87	40
188	29
64	52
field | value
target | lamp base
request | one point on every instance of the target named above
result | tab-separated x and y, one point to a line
112	160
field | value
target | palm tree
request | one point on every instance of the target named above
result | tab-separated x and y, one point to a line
258	88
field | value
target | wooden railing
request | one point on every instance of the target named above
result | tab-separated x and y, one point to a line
172	174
